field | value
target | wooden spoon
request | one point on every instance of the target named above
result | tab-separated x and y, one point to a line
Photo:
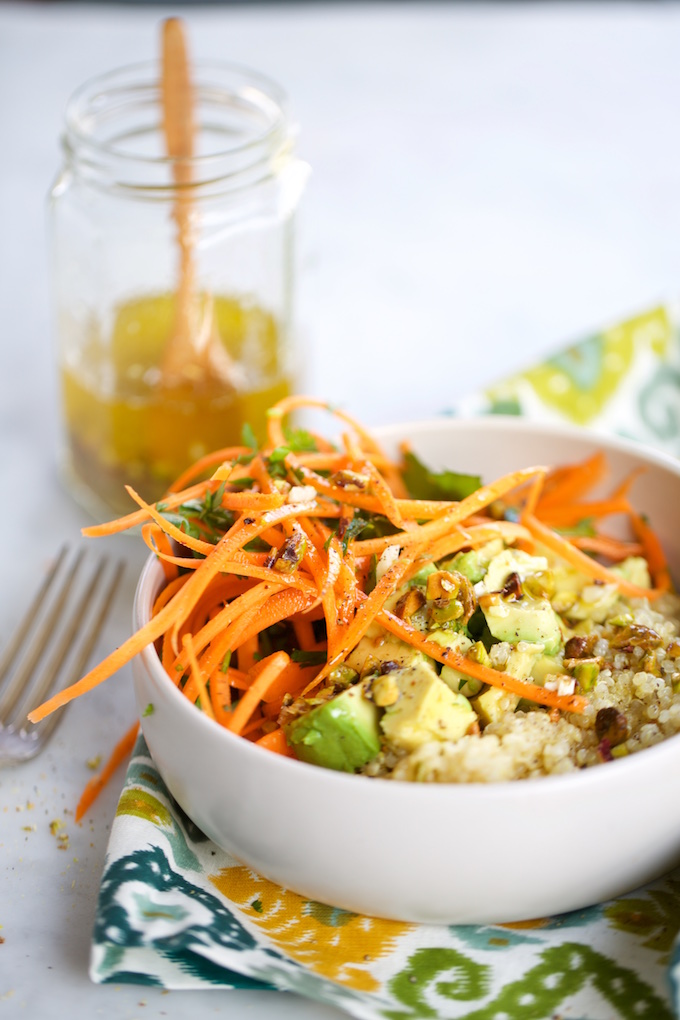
194	353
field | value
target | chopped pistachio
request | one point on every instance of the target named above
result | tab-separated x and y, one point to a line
586	672
442	584
410	603
478	653
443	611
650	664
673	649
385	690
612	726
351	480
620	751
343	675
621	620
563	601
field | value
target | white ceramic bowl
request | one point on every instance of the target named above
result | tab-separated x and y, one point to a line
434	853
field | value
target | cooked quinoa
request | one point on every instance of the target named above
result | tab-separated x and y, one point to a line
641	683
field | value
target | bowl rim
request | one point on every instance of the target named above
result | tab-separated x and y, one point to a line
669	747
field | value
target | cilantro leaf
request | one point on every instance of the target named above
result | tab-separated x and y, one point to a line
202	518
308	658
276	462
248	438
279	454
583	528
353	529
300	441
423	483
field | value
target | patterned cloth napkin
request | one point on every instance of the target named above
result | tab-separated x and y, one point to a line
177	912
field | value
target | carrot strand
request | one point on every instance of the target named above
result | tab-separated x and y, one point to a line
94	787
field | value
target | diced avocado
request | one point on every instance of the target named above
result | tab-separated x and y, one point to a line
425	710
566	578
532	620
495	702
385	648
453	678
468	564
490	549
635	570
543	666
512	561
595	602
341	734
421	577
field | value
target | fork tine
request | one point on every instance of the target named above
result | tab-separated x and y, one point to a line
51	672
25	625
18	682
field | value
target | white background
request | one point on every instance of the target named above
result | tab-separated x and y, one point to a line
488	183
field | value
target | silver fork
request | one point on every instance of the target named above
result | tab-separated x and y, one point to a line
58	634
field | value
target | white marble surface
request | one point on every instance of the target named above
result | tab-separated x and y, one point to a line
488	182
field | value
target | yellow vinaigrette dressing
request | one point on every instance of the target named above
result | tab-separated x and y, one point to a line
173	269
125	426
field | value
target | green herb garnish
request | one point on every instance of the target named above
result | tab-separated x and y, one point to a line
308	658
248	437
300	441
423	483
202	518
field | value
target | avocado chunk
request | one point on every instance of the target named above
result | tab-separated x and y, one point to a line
468	564
532	620
425	710
595	602
544	666
494	702
341	734
459	643
385	648
634	569
512	561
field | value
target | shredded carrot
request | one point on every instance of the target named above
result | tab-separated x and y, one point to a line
604	545
248	653
159	543
140	516
197	675
652	550
94	787
571	482
146	635
585	564
365	615
272	668
276	741
207	463
571	514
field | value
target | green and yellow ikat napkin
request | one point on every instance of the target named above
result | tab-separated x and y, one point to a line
624	381
176	911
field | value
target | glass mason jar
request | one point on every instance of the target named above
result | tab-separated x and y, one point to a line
115	261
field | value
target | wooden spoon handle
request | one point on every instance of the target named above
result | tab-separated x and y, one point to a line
178	106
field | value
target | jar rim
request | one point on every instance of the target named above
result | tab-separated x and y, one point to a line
104	97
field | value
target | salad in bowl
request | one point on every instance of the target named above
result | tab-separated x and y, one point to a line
366	647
